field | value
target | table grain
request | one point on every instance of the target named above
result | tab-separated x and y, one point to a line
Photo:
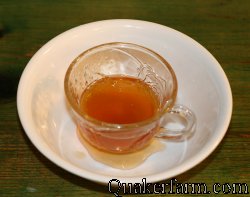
221	26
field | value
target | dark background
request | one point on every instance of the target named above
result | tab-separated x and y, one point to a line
221	26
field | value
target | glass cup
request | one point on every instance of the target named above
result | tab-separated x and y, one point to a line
135	61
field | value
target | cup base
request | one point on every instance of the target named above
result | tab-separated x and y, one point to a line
123	161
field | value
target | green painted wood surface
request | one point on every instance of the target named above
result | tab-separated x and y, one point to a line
222	26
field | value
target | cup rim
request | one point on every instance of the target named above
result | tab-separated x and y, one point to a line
105	126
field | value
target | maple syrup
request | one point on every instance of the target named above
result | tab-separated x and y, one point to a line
119	100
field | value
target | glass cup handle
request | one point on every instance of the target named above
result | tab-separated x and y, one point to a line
178	123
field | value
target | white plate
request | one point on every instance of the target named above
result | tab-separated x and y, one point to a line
203	87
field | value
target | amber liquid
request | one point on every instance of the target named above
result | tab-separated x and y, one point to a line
119	100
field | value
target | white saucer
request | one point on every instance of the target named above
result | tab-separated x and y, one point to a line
203	87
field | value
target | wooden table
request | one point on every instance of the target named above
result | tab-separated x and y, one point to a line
222	26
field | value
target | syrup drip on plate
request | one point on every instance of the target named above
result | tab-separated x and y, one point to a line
123	161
